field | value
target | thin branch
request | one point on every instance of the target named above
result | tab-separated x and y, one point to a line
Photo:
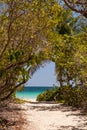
12	90
69	4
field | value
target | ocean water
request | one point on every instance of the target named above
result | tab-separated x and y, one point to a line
31	92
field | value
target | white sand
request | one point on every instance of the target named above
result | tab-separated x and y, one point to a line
48	116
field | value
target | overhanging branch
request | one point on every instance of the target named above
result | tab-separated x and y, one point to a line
76	6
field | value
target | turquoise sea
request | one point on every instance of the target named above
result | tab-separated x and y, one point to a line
31	92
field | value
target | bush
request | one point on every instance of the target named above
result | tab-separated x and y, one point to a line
72	96
46	96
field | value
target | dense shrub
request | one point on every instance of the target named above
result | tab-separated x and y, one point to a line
72	96
46	96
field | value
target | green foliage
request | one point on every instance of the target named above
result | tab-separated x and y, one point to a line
46	96
25	32
34	32
66	94
66	27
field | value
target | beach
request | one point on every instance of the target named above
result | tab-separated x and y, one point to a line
44	116
50	116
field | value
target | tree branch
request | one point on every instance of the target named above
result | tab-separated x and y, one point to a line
78	3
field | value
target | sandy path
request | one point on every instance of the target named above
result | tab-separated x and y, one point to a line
43	116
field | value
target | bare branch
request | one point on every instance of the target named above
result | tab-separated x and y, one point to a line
78	6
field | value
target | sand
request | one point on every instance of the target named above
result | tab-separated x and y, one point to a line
33	115
50	116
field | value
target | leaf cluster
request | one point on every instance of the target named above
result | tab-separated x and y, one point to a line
25	27
70	96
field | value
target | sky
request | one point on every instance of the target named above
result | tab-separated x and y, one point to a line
45	76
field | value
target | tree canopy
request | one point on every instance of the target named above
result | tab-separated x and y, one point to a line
25	27
32	32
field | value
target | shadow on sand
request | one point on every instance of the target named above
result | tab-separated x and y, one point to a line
11	117
52	106
70	111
